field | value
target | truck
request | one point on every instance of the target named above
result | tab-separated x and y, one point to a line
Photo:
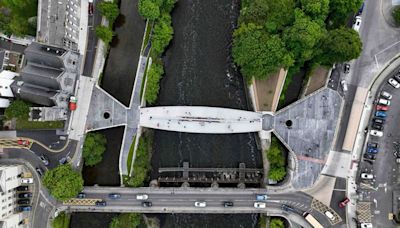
72	103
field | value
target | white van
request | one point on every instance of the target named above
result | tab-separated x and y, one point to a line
383	101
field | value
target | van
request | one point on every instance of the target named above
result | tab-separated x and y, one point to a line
344	85
383	102
329	215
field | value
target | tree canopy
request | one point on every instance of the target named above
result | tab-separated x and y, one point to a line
63	182
93	148
110	10
257	53
17	109
339	10
131	220
316	9
104	33
277	223
276	160
154	75
162	33
15	16
149	9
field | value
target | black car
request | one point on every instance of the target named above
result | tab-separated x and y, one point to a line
397	77
24	201
377	126
25	195
378	120
147	204
81	195
346	68
228	204
373	145
287	208
370	156
22	188
39	171
101	203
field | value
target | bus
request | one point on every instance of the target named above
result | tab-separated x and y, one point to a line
310	219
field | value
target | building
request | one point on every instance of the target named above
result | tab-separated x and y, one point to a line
9	180
6	79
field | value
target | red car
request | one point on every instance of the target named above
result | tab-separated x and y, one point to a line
344	202
382	107
23	142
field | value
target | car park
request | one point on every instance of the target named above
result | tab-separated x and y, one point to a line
383	101
200	204
260	205
344	202
228	204
26	180
101	203
373	145
22	188
24	201
329	215
346	68
376	133
261	197
44	159
382	108
381	114
147	204
379	120
142	197
394	83
372	150
39	171
367	176
114	196
25	195
386	95
357	23
24	208
81	195
344	85
370	156
377	127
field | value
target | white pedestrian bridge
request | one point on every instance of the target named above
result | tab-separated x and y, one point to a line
200	119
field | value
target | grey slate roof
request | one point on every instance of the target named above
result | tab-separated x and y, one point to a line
34	94
41	75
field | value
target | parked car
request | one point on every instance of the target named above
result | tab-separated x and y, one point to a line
22	188
376	133
63	161
386	95
147	204
24	201
44	159
357	23
377	126
367	176
344	202
81	195
383	101
228	204
379	120
372	150
329	215
346	68
101	203
114	196
24	208
39	171
261	197
200	204
370	156
142	197
373	145
397	77
380	114
344	85
25	195
382	108
26	180
394	83
260	205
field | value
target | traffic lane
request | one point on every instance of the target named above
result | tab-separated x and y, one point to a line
47	137
53	157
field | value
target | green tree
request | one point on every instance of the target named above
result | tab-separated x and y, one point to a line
17	109
340	10
154	75
149	9
131	220
18	13
277	223
341	45
93	148
396	15
110	10
257	53
142	162
277	173
63	182
162	33
275	157
104	33
316	9
303	37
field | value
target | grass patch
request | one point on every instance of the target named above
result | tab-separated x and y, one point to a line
276	160
130	155
61	221
26	124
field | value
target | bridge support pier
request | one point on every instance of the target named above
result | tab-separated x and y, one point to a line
214	184
154	183
241	185
185	185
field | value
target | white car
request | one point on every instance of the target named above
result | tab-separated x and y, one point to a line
376	133
357	23
383	102
367	176
394	83
329	215
386	95
260	205
200	204
366	225
344	85
142	197
26	180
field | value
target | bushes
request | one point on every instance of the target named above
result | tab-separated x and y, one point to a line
17	109
93	148
61	221
110	10
162	33
131	220
18	16
396	15
276	160
104	33
141	166
153	86
277	223
149	9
